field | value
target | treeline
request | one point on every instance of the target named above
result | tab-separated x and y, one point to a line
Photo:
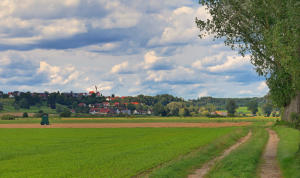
160	105
220	103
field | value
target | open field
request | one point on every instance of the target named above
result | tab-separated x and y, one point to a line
103	149
119	152
144	120
129	125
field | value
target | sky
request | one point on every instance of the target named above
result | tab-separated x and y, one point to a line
124	47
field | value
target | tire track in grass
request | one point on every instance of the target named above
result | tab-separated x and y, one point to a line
183	165
270	168
199	173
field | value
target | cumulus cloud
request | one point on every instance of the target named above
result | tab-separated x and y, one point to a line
58	75
181	26
154	62
73	44
120	68
14	70
231	63
223	62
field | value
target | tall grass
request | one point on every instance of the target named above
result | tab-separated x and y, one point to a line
289	151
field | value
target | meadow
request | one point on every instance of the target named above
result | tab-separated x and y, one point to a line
289	151
97	152
142	152
256	119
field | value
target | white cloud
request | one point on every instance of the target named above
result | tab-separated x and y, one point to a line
41	30
58	75
262	86
245	92
120	67
203	94
181	26
62	28
209	61
231	63
154	62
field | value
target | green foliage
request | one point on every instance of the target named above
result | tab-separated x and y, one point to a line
253	107
65	113
174	107
1	106
295	119
159	110
118	152
23	103
131	107
8	117
183	112
267	30
231	107
267	109
25	115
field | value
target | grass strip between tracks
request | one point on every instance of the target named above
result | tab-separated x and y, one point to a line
245	160
184	165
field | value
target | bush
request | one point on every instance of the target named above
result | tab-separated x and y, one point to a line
8	117
295	119
65	114
25	114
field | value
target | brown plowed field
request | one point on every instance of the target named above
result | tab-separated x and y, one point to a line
125	125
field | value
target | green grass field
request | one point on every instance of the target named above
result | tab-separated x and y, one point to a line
96	152
144	119
289	151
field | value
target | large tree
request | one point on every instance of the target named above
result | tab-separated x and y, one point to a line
231	107
253	107
268	31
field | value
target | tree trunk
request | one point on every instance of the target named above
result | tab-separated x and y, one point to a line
294	106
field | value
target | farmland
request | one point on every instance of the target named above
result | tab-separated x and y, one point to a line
96	152
259	119
155	152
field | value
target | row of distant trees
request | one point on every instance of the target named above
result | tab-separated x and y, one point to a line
185	109
163	105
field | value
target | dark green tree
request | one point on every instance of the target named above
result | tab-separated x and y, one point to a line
184	112
267	109
253	107
267	30
231	107
23	103
131	107
1	106
159	110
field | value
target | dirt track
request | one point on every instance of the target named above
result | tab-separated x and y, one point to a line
126	125
270	168
207	166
